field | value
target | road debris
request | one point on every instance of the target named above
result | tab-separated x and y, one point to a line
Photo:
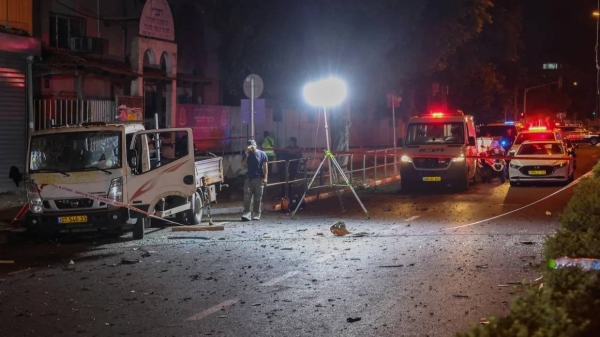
360	235
320	234
527	243
461	296
548	213
482	266
17	272
7	261
288	248
339	229
484	321
197	228
71	262
129	261
393	266
352	320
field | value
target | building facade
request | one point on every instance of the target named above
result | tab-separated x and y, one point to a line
149	54
18	48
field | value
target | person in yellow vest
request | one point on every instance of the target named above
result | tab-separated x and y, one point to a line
268	146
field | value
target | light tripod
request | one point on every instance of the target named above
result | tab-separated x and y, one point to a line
333	167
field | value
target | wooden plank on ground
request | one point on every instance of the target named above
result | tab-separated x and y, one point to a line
199	228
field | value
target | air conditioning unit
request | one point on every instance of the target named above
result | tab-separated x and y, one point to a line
92	45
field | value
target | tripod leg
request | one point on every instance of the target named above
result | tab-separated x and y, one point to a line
336	179
337	166
312	180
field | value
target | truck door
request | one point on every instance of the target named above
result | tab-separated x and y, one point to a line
161	163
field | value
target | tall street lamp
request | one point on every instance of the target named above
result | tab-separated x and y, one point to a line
325	94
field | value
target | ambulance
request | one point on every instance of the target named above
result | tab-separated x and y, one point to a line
439	150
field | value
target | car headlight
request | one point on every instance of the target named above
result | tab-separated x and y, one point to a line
35	200
515	166
115	192
406	159
458	159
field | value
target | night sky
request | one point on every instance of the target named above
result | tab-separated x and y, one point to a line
561	31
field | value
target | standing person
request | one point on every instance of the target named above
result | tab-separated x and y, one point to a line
508	139
256	179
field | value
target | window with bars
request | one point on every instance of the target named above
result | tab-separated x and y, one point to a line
63	28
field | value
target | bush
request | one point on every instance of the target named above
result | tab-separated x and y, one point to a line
573	244
583	211
596	170
567	306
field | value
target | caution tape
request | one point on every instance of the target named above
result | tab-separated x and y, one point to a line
113	203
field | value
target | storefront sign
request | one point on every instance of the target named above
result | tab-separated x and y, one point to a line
210	124
157	20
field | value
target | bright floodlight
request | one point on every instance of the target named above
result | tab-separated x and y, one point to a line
325	93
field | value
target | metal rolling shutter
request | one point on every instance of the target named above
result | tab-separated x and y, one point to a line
13	117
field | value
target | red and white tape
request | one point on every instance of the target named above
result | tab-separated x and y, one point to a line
113	203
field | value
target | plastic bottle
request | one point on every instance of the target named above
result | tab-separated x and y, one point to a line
585	264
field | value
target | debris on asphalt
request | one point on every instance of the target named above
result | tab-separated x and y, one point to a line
302	230
17	272
548	213
146	254
503	285
483	266
527	242
71	262
461	296
393	266
197	228
484	321
7	261
352	320
129	261
339	229
360	235
320	234
256	304
288	248
387	209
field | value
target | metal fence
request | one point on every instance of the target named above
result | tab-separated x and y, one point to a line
359	169
50	112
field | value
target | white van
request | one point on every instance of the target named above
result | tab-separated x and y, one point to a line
450	134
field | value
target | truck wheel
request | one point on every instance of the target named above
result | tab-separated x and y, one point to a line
193	216
138	229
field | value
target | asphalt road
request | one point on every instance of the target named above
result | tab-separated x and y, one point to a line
429	264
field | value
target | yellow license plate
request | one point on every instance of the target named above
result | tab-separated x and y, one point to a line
432	178
73	219
537	173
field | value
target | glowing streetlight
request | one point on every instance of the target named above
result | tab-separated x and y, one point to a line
327	93
575	83
596	13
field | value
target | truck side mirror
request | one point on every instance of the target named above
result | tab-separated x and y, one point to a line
400	142
133	158
471	141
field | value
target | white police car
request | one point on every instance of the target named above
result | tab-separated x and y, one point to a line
541	161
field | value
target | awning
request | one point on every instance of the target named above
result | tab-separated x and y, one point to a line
61	60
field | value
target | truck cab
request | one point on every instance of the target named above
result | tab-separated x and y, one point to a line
436	150
98	176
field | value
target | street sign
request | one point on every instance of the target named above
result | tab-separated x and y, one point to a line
258	86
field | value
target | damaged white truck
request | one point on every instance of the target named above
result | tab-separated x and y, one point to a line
79	175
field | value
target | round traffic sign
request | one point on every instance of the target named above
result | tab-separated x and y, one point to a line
258	86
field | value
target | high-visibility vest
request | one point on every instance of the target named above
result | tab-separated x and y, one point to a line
268	145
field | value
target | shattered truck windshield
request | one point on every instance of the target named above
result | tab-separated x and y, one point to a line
75	151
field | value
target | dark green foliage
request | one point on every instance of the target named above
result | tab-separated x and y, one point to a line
583	211
573	244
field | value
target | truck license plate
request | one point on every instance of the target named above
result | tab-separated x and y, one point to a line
432	178
73	219
537	173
